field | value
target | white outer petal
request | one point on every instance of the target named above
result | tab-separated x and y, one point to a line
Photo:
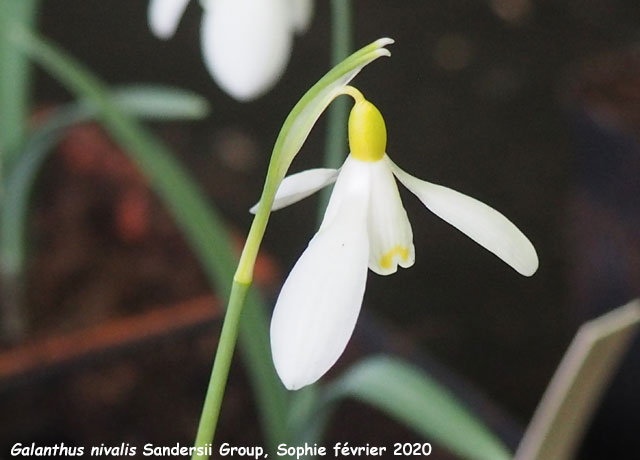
301	13
340	189
298	186
246	44
390	234
319	303
481	223
164	15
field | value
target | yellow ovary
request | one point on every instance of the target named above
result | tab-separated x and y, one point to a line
387	259
367	132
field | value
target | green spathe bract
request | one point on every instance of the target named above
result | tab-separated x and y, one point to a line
295	131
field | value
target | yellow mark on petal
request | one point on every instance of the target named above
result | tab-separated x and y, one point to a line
367	131
387	259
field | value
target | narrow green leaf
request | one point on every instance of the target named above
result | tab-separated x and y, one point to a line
20	182
15	77
14	204
577	386
139	101
410	396
158	102
200	224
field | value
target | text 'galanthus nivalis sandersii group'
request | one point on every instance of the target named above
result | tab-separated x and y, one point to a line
365	227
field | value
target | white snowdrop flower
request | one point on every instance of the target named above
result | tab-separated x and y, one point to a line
365	226
246	44
163	16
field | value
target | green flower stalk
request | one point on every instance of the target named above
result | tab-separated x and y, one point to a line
294	132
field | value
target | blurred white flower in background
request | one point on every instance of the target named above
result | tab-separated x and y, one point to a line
246	44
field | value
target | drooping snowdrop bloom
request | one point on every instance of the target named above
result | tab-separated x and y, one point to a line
365	227
246	44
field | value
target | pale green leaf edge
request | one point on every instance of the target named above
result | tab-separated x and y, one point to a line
577	386
160	102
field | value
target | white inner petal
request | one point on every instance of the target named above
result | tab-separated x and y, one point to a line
246	44
481	223
298	186
319	303
390	235
164	16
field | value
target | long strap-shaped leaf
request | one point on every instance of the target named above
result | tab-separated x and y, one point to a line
201	226
568	404
15	79
412	397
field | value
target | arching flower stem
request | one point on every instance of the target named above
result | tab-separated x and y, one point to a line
354	93
241	283
294	132
244	273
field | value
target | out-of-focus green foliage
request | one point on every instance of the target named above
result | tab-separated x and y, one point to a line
412	397
202	226
15	77
142	101
571	398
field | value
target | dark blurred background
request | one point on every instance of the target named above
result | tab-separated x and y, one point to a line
529	106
